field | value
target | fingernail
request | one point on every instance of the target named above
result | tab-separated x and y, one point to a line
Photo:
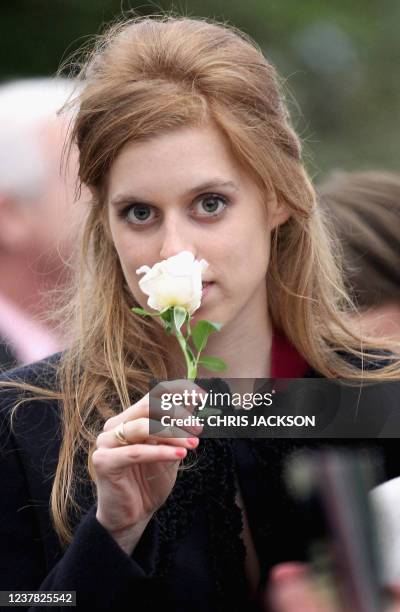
180	452
288	571
193	441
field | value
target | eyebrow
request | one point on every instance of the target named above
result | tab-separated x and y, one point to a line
210	184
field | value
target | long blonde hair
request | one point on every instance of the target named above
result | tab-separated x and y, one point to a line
144	76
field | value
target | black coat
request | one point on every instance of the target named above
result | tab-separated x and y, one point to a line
190	556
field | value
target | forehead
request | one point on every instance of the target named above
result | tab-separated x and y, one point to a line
186	156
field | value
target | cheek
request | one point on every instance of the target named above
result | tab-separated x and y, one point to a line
127	254
259	244
130	264
247	254
132	255
125	246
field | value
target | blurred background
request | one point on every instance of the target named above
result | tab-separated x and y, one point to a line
339	61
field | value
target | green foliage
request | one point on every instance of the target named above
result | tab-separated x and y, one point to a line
166	316
142	312
212	363
201	331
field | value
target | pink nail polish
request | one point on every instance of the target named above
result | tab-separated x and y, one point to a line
288	571
180	452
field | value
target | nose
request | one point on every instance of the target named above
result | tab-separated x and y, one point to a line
174	240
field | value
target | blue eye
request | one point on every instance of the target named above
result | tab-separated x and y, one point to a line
137	214
207	207
211	205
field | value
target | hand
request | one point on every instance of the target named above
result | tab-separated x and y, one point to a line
134	480
291	589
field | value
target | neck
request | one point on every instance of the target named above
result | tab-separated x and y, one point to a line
244	344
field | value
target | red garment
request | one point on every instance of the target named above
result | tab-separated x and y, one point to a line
286	362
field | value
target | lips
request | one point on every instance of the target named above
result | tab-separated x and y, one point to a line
206	288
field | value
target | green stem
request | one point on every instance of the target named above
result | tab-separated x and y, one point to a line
189	331
191	368
196	363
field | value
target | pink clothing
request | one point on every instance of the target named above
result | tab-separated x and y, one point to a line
28	339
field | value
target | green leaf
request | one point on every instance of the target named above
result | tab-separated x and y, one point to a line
179	317
142	312
168	328
213	363
166	316
190	354
201	331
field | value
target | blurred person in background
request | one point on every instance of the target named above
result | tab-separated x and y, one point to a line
293	588
36	215
365	210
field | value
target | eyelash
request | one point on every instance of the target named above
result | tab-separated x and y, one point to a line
123	213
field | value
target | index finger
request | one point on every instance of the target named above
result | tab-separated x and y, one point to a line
151	406
173	396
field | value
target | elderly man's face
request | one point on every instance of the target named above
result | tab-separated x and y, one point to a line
55	213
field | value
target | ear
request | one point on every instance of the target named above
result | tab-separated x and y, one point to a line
15	229
278	212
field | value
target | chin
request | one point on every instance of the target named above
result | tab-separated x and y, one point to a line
214	315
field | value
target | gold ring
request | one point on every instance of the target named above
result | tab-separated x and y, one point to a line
119	433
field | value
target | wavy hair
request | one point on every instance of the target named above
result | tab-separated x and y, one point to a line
143	77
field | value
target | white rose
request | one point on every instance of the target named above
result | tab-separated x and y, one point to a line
175	281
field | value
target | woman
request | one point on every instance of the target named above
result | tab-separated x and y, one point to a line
185	143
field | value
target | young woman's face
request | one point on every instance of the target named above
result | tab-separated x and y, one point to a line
185	191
